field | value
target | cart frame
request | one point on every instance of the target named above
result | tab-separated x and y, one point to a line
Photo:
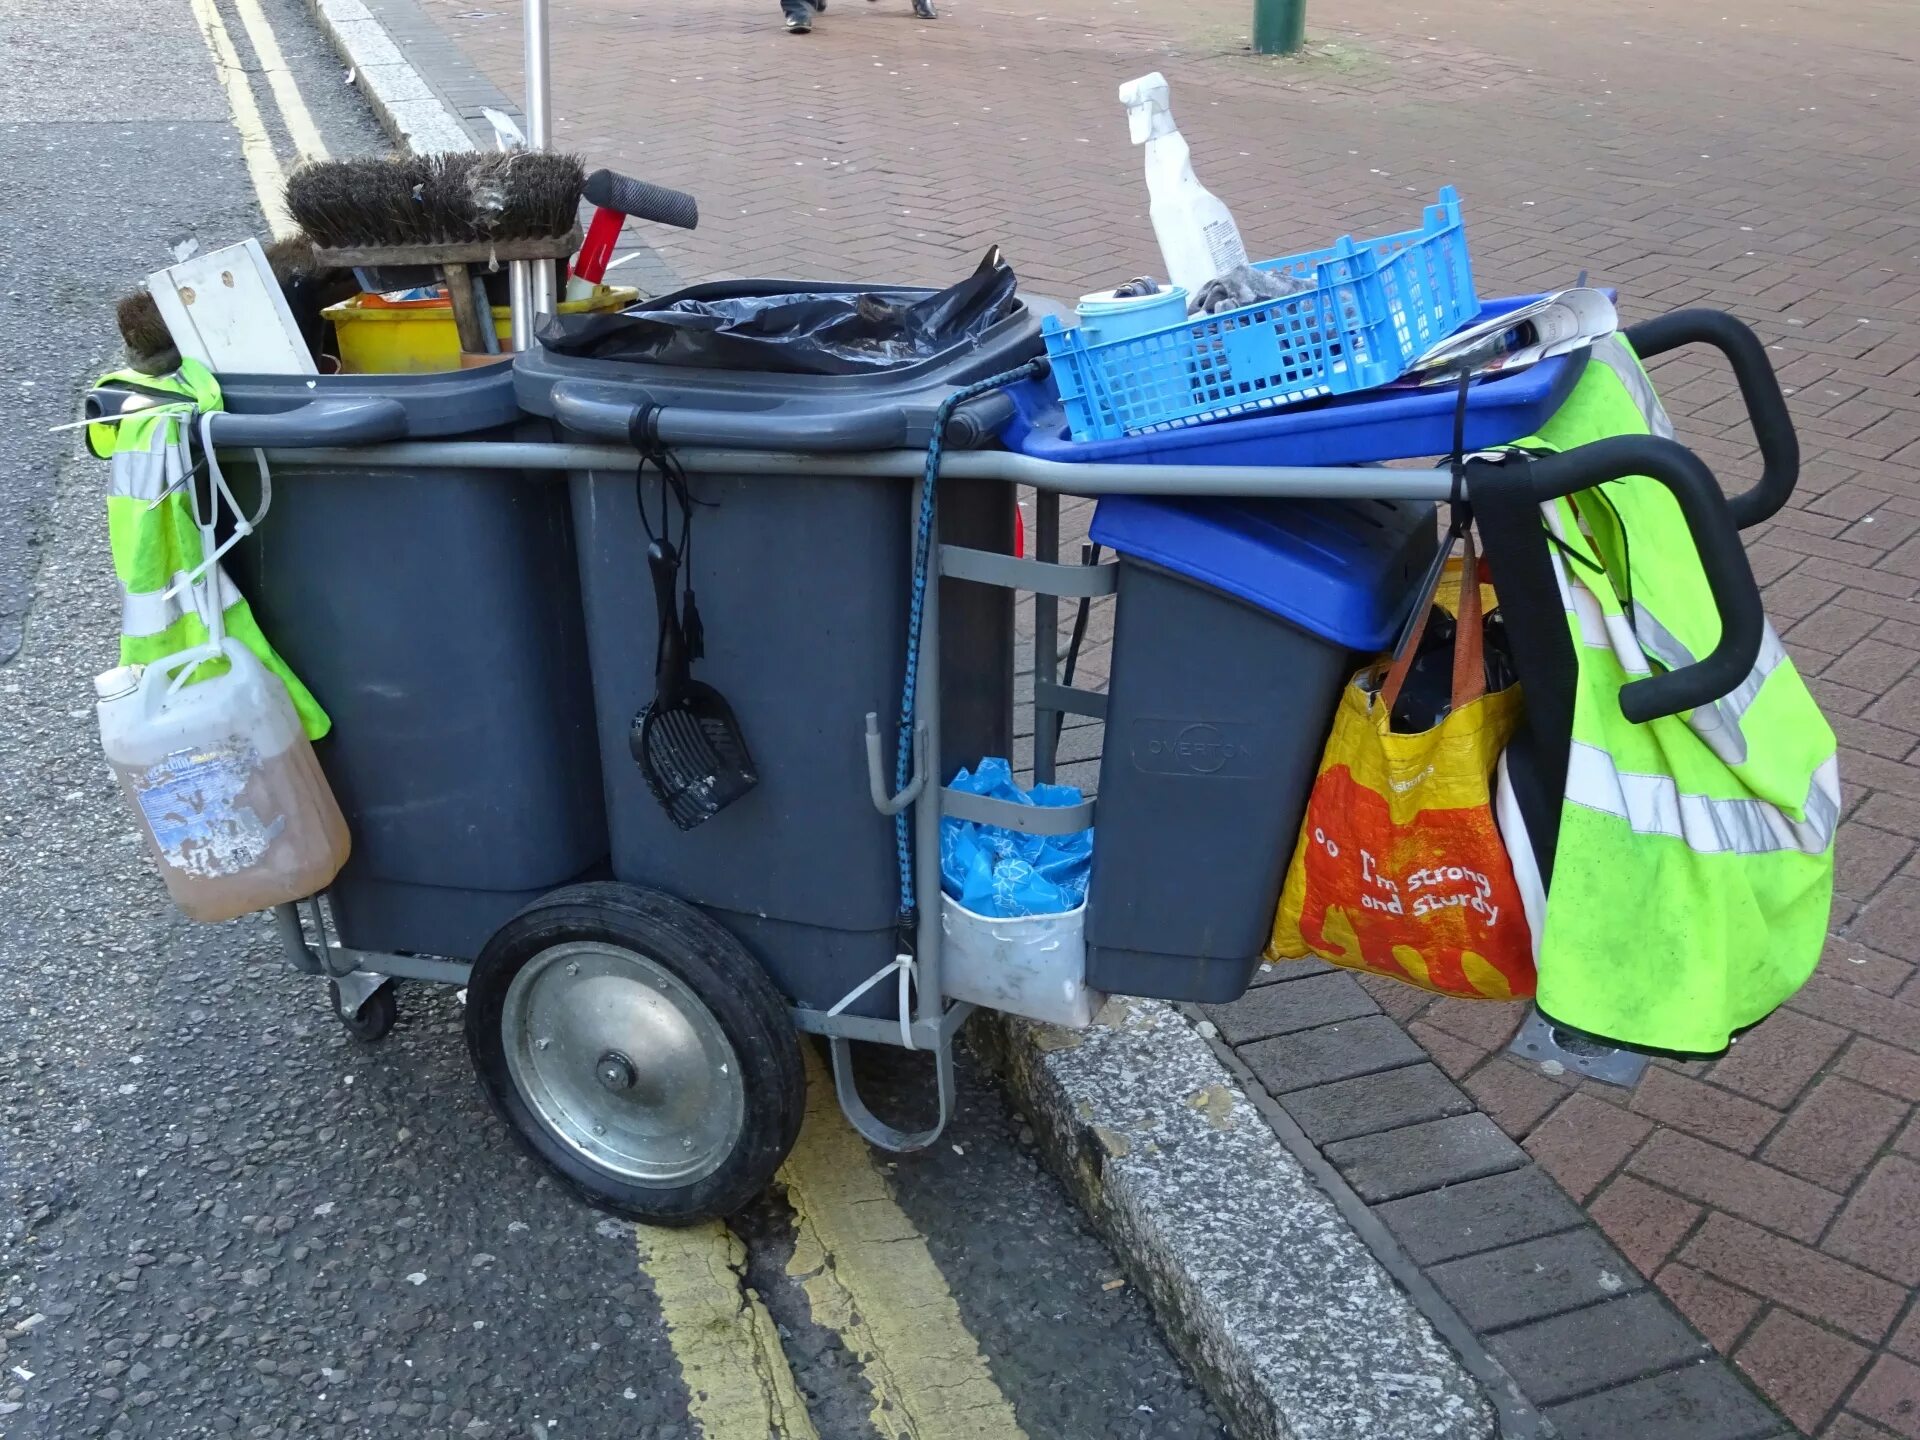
356	432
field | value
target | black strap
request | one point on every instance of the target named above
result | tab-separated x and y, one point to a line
1516	542
1459	520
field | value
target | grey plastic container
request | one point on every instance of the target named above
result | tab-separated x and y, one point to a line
1217	714
802	586
436	615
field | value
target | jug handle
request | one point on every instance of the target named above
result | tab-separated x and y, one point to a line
177	669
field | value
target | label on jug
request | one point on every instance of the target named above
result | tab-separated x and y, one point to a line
1194	747
191	803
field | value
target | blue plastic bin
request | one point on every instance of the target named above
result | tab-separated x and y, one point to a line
1374	306
1350	430
1236	626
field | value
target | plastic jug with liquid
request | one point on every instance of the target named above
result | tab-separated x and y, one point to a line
223	782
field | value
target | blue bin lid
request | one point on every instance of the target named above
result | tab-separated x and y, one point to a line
1341	569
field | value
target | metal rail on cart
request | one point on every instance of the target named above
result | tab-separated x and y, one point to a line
362	431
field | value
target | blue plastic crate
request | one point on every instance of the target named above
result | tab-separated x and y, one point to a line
1373	307
1385	424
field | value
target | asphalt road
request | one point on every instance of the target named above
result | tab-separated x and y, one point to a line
218	1213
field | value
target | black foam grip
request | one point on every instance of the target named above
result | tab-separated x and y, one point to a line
1735	594
611	190
1759	388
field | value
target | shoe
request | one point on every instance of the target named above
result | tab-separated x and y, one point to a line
799	22
924	9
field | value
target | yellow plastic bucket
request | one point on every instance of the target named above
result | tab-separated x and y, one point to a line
416	336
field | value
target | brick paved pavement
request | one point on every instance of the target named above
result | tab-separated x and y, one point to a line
1761	160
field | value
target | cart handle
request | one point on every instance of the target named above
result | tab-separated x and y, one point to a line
317	423
1735	594
622	414
1759	389
314	424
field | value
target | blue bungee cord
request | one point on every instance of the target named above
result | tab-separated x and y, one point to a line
922	558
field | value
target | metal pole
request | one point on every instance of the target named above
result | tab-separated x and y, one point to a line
548	459
1279	26
540	280
1046	637
926	808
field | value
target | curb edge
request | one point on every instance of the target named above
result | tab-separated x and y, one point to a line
1087	1148
409	109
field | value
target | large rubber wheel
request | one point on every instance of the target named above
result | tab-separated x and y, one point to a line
638	1051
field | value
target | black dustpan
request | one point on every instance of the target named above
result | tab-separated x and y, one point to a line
687	743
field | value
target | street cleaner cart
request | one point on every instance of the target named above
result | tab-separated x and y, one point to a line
650	685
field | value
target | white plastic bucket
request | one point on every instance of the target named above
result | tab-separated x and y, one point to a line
1035	965
1106	317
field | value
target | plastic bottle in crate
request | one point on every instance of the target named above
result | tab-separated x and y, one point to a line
1195	229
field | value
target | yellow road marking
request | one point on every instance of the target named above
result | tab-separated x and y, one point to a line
263	167
738	1382
307	143
867	1275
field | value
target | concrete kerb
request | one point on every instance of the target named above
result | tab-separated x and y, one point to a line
1296	1328
410	109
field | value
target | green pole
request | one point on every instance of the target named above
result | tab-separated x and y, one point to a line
1279	26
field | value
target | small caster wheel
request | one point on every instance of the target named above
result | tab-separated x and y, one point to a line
375	1017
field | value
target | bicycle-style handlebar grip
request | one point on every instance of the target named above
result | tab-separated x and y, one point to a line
1735	594
610	190
1759	389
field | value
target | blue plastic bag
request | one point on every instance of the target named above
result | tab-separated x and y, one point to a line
995	871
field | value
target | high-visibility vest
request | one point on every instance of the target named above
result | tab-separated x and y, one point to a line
1693	874
156	544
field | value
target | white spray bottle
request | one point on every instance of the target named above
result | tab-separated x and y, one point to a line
1197	236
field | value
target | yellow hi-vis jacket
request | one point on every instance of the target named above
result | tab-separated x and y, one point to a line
1694	870
156	542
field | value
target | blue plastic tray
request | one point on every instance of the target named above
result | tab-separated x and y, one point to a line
1350	430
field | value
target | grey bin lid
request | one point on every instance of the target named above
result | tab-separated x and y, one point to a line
755	410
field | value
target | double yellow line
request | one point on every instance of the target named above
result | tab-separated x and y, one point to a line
256	146
867	1276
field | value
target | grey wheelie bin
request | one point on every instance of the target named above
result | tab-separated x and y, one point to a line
434	612
802	587
1237	624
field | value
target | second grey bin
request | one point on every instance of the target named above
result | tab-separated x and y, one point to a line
802	586
1235	627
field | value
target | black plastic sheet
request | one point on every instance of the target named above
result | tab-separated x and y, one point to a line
845	332
1426	697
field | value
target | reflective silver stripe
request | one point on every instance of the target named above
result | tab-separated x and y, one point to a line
1655	805
1599	630
141	474
153	611
1613	352
1718	725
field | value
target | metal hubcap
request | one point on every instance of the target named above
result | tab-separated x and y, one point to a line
623	1063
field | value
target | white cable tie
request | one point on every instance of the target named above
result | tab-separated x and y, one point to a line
903	965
